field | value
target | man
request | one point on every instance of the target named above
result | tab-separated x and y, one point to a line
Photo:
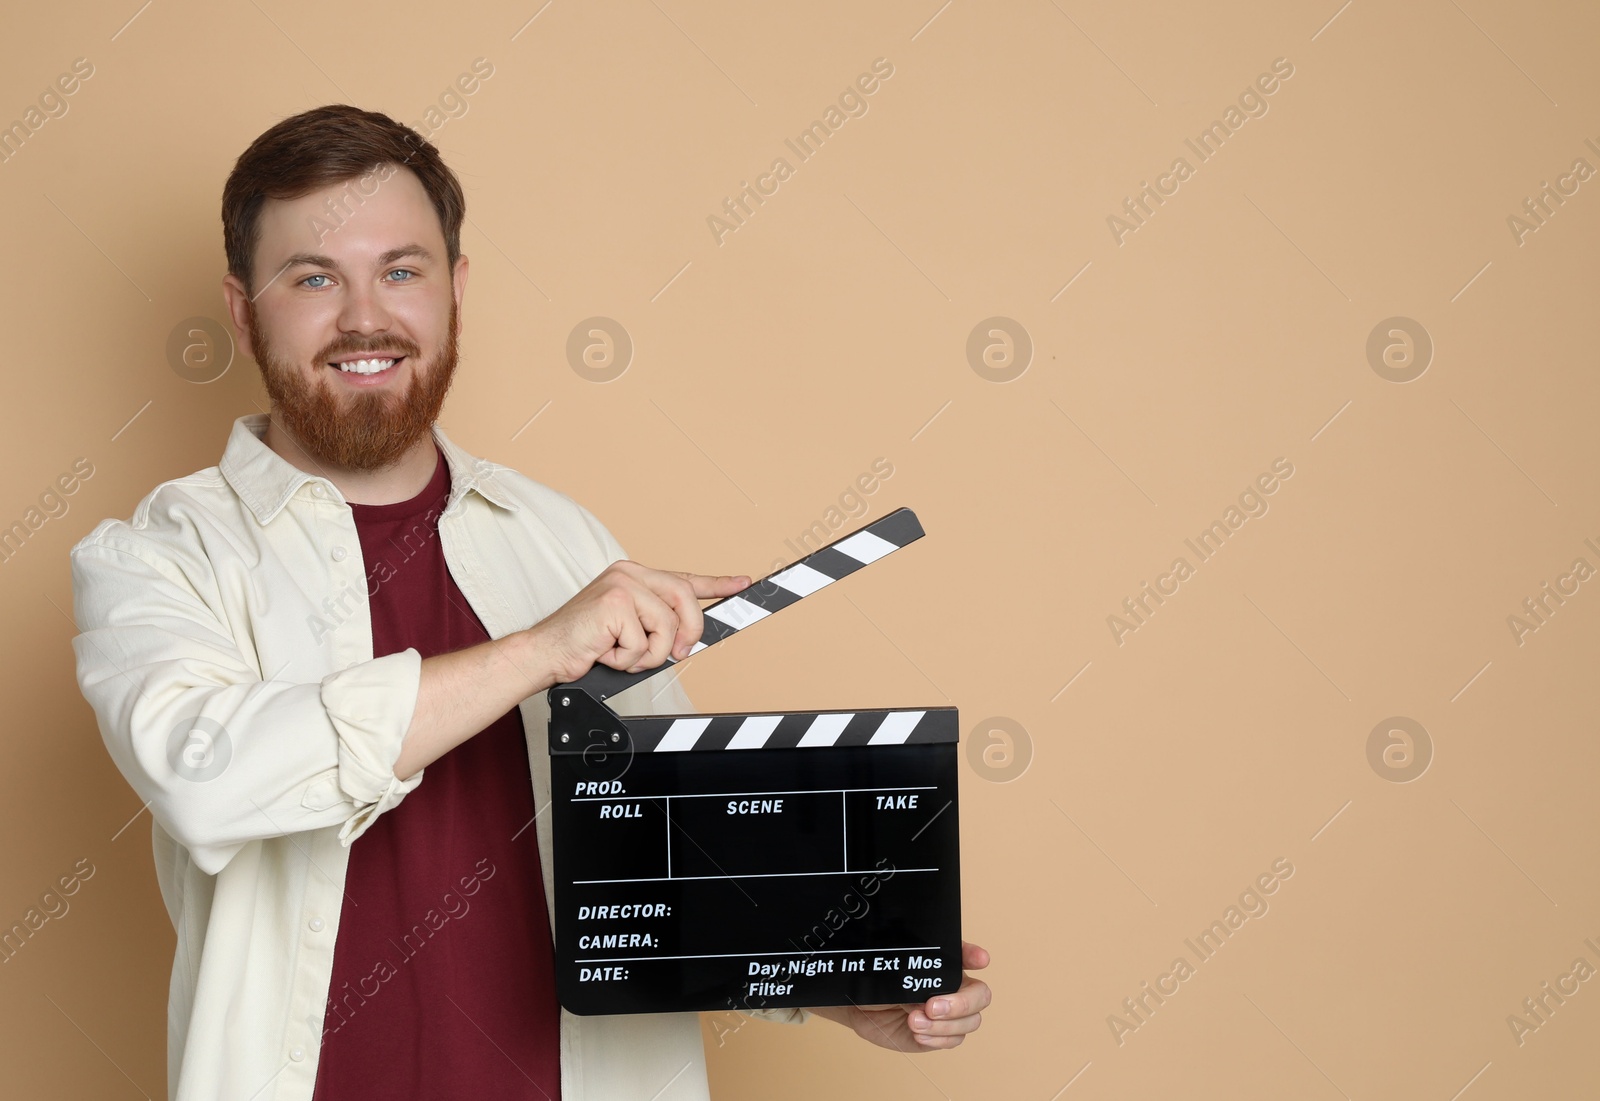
281	648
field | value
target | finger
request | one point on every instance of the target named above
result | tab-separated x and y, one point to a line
629	640
675	588
684	592
660	625
973	997
921	1026
973	957
707	586
937	1043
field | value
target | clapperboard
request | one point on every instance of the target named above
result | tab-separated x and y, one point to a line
757	860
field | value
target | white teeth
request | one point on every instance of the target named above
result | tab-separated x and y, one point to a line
366	366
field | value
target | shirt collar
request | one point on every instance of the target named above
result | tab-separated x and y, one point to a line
265	481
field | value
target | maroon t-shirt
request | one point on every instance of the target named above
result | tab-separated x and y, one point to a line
443	972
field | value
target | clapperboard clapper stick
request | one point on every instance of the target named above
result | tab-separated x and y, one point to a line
755	860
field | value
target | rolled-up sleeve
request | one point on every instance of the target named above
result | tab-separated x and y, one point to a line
370	705
222	756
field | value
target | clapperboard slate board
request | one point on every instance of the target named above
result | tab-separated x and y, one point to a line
760	860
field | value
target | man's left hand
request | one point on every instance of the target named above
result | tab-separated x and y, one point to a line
940	1022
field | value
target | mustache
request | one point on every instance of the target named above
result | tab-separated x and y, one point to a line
400	345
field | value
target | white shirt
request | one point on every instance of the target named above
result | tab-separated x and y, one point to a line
226	648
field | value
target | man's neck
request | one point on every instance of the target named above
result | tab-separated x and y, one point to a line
400	481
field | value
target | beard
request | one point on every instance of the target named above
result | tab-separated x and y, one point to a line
362	430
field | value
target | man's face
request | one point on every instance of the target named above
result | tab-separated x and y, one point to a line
341	277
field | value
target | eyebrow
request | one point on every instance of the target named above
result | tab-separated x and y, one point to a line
317	260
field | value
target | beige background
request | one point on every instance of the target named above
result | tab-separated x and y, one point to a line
1230	730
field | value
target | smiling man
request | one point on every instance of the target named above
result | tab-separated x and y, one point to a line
319	663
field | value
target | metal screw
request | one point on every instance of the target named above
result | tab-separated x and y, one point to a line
616	737
565	700
566	738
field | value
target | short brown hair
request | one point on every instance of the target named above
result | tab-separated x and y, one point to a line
325	146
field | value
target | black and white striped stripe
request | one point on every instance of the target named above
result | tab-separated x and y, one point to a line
791	730
775	592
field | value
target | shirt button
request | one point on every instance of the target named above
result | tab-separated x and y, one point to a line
318	491
297	1054
316	925
339	554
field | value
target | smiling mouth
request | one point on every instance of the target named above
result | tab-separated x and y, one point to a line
371	366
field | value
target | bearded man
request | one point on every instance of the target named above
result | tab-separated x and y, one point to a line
281	648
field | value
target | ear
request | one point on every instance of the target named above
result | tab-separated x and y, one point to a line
238	302
458	287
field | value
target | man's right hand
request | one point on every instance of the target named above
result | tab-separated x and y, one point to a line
630	617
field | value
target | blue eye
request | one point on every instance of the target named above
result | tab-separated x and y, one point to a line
308	279
402	271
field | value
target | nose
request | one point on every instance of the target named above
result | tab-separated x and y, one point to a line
363	312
